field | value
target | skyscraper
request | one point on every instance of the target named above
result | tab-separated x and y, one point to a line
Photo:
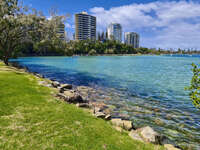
61	31
115	32
132	38
85	26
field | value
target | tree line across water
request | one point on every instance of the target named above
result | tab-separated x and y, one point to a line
27	32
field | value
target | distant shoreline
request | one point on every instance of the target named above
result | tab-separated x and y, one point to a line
106	55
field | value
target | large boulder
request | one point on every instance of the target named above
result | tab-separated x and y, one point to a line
108	117
170	147
64	87
39	76
73	97
61	96
125	124
100	115
83	105
149	135
55	84
117	122
97	109
134	135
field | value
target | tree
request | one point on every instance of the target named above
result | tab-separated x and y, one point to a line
19	25
99	36
12	28
195	87
15	25
92	52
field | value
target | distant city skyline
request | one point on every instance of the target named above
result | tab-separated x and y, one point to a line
114	31
85	26
132	38
162	23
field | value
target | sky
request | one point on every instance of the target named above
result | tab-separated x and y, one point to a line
160	23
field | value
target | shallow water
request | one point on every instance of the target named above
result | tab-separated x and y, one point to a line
147	89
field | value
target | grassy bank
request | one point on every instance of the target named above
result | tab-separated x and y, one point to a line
32	119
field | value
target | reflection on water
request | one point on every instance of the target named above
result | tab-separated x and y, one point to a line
147	89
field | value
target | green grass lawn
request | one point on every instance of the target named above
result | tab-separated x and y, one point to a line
32	119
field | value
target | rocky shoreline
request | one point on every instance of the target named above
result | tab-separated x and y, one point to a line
78	96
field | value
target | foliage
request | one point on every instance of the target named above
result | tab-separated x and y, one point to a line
30	118
12	27
106	47
92	52
19	26
195	86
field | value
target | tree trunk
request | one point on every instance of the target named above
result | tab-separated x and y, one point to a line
5	60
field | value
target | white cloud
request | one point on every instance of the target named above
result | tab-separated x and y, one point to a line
168	24
67	25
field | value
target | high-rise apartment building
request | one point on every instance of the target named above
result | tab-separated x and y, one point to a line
115	32
132	38
61	31
85	26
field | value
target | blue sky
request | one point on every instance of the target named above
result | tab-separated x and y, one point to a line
160	23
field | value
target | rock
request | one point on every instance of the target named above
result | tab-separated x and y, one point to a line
149	135
84	89
61	96
100	115
156	110
97	109
108	117
55	84
165	140
117	122
124	116
118	128
42	83
38	75
159	122
125	124
47	85
83	105
73	97
170	147
66	86
99	106
134	135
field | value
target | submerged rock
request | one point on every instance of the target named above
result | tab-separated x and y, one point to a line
84	89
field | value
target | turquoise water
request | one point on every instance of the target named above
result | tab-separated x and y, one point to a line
147	89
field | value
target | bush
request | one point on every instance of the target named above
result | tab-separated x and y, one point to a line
92	52
195	87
